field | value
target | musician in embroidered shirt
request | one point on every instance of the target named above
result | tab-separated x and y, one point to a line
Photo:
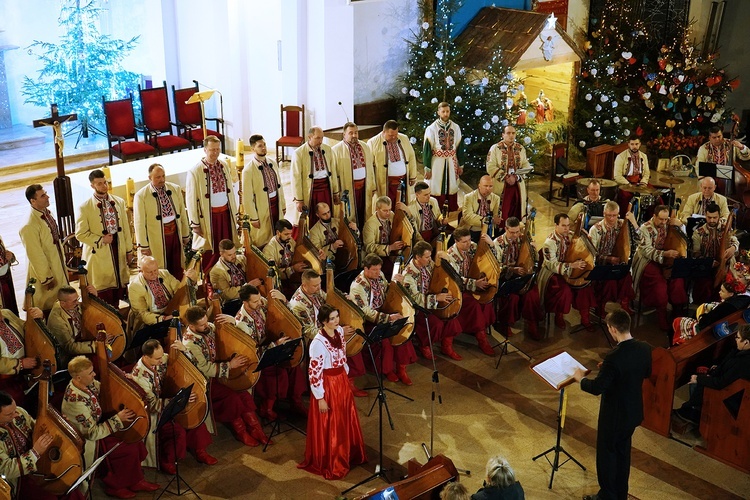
228	275
503	161
13	357
707	243
325	233
719	150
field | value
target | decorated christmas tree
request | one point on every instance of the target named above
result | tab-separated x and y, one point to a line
684	95
607	108
82	68
483	100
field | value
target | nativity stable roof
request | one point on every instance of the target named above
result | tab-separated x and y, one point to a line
512	30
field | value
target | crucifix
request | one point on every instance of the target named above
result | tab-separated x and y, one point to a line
63	191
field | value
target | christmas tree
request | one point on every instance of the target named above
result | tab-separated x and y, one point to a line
82	68
483	100
607	108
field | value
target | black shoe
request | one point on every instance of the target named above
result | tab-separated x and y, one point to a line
591	497
686	415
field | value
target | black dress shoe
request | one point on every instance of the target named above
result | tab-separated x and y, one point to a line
591	497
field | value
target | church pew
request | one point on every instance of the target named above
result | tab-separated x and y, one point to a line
672	368
727	435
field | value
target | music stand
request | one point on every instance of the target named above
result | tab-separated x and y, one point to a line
168	414
380	332
606	272
201	97
90	471
513	285
156	331
688	267
558	379
274	357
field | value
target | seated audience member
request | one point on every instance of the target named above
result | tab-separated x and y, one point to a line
733	299
454	491
501	482
734	366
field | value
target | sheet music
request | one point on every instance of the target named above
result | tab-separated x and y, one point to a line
558	370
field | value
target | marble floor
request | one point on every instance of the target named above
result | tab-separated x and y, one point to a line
485	411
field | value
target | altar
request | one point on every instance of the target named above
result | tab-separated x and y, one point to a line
175	165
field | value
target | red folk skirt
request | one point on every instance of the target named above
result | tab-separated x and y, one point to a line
334	439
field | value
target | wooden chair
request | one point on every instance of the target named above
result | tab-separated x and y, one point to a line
189	118
157	121
292	130
559	151
120	121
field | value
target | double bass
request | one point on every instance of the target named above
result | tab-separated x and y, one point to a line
118	392
349	312
580	248
398	301
58	468
181	372
485	265
39	342
726	240
446	279
281	322
402	228
304	249
96	311
231	342
348	255
676	239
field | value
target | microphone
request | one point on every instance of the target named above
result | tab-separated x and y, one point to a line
344	110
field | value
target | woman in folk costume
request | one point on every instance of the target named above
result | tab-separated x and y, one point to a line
733	299
334	436
107	242
440	154
503	161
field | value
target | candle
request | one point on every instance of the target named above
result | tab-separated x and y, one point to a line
240	154
108	177
129	192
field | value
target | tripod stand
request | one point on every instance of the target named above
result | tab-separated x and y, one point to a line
514	285
558	447
83	130
384	331
274	357
377	335
173	408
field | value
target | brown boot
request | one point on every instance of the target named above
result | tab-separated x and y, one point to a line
256	430
484	345
447	348
240	433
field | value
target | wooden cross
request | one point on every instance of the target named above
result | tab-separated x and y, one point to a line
55	121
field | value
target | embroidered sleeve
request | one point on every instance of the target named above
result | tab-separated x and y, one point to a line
359	296
646	245
207	368
315	368
78	413
146	383
309	324
550	259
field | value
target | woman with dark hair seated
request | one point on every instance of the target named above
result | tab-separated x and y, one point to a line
733	299
501	482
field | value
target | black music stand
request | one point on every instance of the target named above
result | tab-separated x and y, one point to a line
506	288
274	357
605	272
89	472
380	332
688	267
170	412
156	331
558	447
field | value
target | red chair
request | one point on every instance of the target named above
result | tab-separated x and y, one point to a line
157	121
190	118
292	129
120	120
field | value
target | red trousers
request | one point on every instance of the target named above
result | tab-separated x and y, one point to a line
513	307
221	229
278	383
229	405
122	467
475	317
439	328
27	488
173	250
559	296
393	184
8	292
658	292
173	436
321	193
614	290
452	201
511	205
356	365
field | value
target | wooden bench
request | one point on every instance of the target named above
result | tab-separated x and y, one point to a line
727	435
424	482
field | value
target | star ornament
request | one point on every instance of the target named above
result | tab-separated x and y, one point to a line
551	20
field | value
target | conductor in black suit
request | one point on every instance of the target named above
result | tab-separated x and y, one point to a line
619	382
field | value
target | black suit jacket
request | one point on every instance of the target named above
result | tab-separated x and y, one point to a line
724	309
619	382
